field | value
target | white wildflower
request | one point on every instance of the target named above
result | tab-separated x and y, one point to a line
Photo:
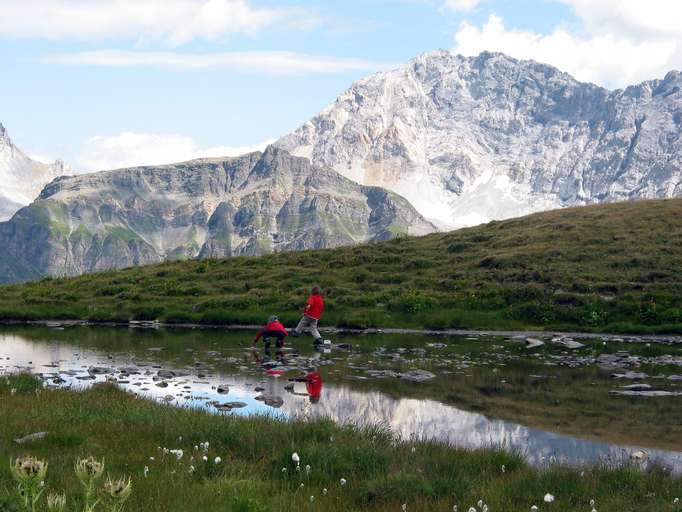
295	457
343	481
145	471
217	460
549	498
324	491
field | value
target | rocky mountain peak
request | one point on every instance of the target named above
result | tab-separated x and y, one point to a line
249	205
21	178
471	139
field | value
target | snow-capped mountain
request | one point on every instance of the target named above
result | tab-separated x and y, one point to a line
21	178
467	140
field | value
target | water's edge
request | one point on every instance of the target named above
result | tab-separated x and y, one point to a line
626	338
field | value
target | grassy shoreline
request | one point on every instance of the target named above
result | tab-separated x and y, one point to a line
382	474
603	268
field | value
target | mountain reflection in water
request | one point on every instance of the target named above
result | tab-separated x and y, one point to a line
407	417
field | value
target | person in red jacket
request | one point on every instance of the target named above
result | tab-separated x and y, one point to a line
311	316
273	329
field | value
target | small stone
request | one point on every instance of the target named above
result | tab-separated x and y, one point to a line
30	438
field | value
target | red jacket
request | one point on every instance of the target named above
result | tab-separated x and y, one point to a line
275	326
315	307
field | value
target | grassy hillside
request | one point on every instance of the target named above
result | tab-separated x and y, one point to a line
602	268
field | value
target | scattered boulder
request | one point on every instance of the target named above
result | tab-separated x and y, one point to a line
100	370
646	393
639	455
436	345
630	375
417	375
228	406
636	387
170	374
271	400
533	343
31	438
568	343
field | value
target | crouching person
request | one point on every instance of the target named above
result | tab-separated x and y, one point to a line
273	329
311	316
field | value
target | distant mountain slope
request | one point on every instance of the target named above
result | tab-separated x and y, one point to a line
610	267
21	178
249	205
467	140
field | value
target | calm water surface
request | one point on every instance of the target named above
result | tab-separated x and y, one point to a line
366	384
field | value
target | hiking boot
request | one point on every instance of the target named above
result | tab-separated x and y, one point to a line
318	342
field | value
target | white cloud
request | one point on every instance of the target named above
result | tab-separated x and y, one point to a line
461	5
636	18
129	149
605	57
173	22
272	63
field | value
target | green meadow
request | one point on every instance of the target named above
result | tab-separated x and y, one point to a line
599	268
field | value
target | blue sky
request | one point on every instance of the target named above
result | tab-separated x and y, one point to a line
101	83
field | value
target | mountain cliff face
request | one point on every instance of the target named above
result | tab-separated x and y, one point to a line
467	140
249	205
21	178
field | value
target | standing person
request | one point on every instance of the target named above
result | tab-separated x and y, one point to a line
311	316
273	329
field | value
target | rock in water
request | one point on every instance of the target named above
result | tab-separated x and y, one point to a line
471	139
636	387
534	343
568	343
210	208
646	393
417	375
271	400
630	375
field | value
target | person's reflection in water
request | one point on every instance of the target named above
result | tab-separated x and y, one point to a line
279	355
313	384
267	363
